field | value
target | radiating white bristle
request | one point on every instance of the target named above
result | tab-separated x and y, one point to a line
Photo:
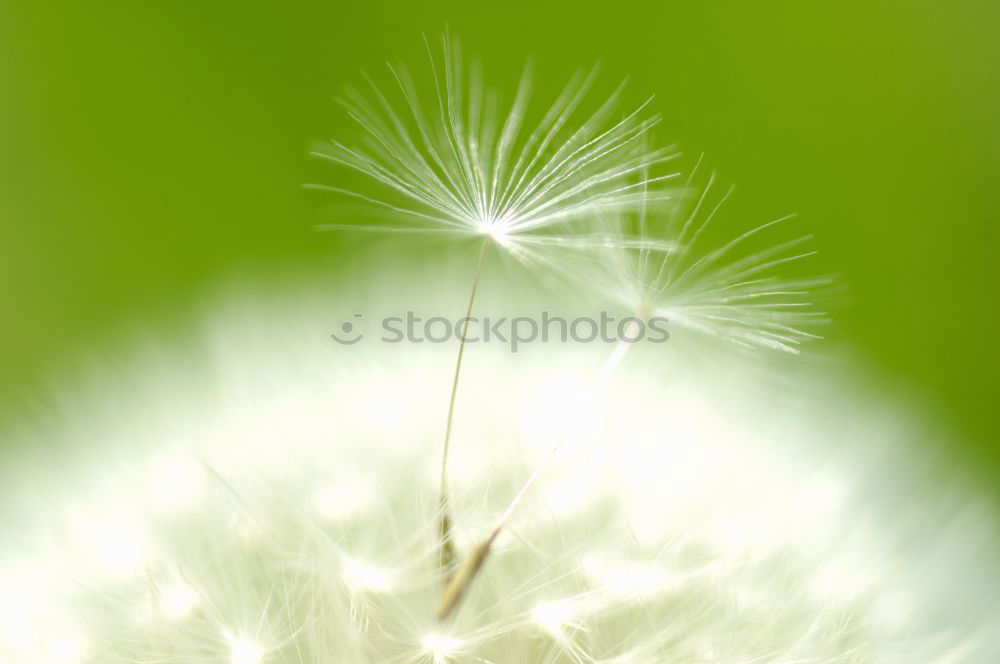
448	161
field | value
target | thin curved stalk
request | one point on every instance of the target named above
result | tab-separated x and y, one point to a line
456	585
447	553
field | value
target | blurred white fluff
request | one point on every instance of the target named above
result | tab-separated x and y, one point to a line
466	167
269	497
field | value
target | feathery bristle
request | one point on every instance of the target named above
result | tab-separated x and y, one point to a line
721	291
464	168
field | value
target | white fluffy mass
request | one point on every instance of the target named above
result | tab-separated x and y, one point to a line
262	495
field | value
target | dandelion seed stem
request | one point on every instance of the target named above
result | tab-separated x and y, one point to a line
447	549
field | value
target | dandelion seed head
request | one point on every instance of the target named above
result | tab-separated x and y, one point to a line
704	519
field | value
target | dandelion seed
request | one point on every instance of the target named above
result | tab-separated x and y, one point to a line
724	292
463	170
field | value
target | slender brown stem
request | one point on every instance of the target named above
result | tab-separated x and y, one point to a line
447	548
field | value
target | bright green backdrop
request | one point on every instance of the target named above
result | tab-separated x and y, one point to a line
148	149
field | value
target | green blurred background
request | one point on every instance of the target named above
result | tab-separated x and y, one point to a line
150	149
